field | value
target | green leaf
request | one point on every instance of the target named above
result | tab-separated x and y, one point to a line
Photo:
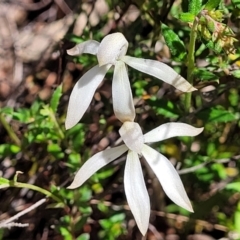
65	232
212	4
204	74
53	148
6	110
176	46
56	98
187	17
84	236
237	221
118	217
7	149
235	186
164	107
45	111
195	6
236	73
236	3
217	114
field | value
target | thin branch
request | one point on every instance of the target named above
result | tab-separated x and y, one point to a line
9	222
195	168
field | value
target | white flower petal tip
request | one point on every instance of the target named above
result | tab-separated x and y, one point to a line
72	187
169	130
132	136
111	48
168	177
159	70
95	163
90	47
82	94
136	192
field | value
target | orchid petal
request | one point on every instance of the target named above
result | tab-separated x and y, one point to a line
168	177
136	192
122	94
169	130
90	46
159	70
82	94
111	48
132	136
96	162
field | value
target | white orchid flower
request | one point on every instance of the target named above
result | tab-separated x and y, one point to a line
112	51
135	188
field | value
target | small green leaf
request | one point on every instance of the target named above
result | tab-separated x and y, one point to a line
217	114
235	186
117	217
105	174
45	111
187	17
176	46
236	3
163	107
65	233
204	74
56	98
6	110
53	148
212	4
84	236
237	221
195	6
236	73
7	149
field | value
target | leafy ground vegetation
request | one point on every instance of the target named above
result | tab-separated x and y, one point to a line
39	158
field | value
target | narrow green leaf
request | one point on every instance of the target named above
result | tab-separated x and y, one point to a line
6	110
84	236
164	107
212	4
217	114
235	186
187	17
195	6
236	73
176	46
236	3
237	221
204	74
56	98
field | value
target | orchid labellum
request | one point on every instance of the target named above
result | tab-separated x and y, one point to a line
135	188
112	51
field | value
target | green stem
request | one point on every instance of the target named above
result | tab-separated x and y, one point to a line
9	130
52	116
191	62
13	183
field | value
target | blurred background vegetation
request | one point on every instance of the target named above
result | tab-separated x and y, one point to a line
199	39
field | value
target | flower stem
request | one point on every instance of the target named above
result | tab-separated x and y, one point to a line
53	118
5	183
9	130
191	62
